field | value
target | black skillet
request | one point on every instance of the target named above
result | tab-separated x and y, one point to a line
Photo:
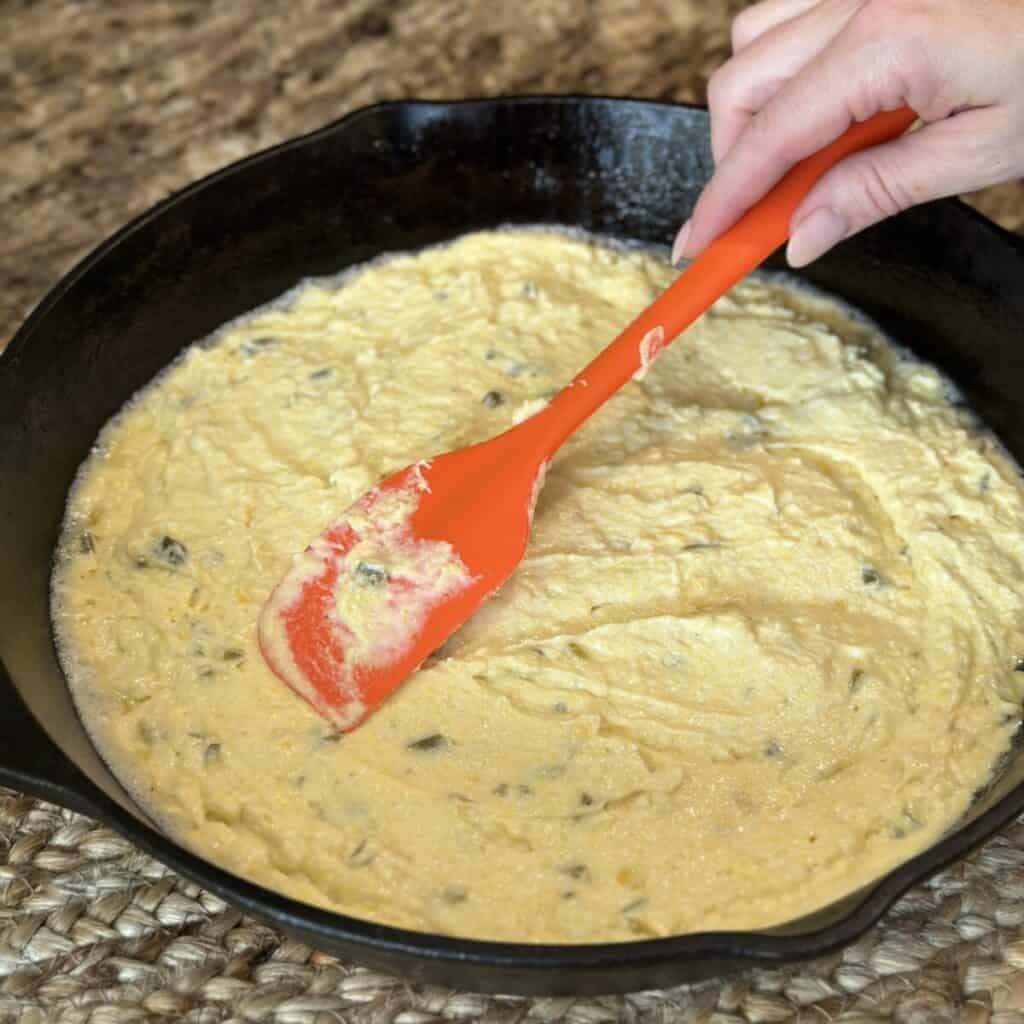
941	279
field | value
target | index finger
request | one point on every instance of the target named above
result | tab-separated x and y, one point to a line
747	81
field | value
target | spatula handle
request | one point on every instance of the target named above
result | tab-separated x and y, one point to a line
751	240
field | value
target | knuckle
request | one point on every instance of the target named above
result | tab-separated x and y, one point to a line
744	27
880	191
892	38
996	157
720	89
901	21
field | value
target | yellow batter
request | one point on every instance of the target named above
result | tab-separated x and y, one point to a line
761	649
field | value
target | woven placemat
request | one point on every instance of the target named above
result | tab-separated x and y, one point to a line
106	106
92	930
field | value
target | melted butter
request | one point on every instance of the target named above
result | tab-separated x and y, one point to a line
760	649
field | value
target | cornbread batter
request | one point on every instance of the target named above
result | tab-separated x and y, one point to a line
765	643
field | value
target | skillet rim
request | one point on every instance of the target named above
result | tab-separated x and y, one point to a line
402	945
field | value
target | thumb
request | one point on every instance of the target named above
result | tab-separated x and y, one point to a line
959	154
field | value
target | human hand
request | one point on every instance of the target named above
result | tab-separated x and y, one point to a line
803	70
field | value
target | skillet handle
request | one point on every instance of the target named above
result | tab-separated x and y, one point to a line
31	762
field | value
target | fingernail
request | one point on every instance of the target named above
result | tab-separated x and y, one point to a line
680	243
815	235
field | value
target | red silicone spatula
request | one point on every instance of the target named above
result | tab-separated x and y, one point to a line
413	558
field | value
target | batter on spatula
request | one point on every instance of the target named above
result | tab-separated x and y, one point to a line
763	645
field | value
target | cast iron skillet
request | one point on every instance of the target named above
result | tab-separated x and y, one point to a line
398	176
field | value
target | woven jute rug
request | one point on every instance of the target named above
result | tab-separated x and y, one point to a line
105	108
